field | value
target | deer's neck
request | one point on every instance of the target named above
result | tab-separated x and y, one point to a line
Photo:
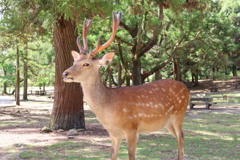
95	92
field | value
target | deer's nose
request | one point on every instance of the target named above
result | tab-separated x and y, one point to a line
65	74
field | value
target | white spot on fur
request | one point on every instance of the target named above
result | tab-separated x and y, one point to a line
169	110
125	110
140	114
160	105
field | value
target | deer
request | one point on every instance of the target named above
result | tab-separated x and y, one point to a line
126	112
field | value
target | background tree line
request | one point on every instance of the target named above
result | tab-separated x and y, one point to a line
181	39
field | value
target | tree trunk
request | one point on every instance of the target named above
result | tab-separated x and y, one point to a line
128	80
5	83
44	85
195	77
25	75
4	88
120	81
236	77
177	71
136	72
213	73
17	89
234	70
68	99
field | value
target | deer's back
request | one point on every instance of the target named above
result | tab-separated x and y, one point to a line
147	107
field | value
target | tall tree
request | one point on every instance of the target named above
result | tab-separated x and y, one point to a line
68	98
25	73
17	86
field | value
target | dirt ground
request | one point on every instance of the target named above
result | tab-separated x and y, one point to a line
20	125
221	85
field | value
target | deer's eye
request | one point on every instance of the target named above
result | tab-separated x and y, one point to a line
85	64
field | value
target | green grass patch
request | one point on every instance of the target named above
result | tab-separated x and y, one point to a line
28	154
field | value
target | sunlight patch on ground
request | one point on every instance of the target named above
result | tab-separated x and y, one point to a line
19	136
223	137
7	117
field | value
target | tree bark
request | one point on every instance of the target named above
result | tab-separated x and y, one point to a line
177	69
195	79
136	71
236	77
17	89
4	88
25	75
68	99
213	73
234	70
120	80
5	83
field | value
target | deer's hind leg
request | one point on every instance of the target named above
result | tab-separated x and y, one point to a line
116	141
132	137
174	126
177	125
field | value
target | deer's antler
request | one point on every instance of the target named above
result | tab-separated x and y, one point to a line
99	47
86	26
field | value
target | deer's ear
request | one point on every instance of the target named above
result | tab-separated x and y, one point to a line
75	55
106	59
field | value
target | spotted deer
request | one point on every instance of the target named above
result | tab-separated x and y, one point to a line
125	112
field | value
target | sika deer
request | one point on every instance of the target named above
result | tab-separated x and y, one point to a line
127	111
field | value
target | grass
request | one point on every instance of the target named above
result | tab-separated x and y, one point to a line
209	135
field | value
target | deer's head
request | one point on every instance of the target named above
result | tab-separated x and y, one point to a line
86	65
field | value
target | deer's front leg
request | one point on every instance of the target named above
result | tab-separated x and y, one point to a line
132	137
115	146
